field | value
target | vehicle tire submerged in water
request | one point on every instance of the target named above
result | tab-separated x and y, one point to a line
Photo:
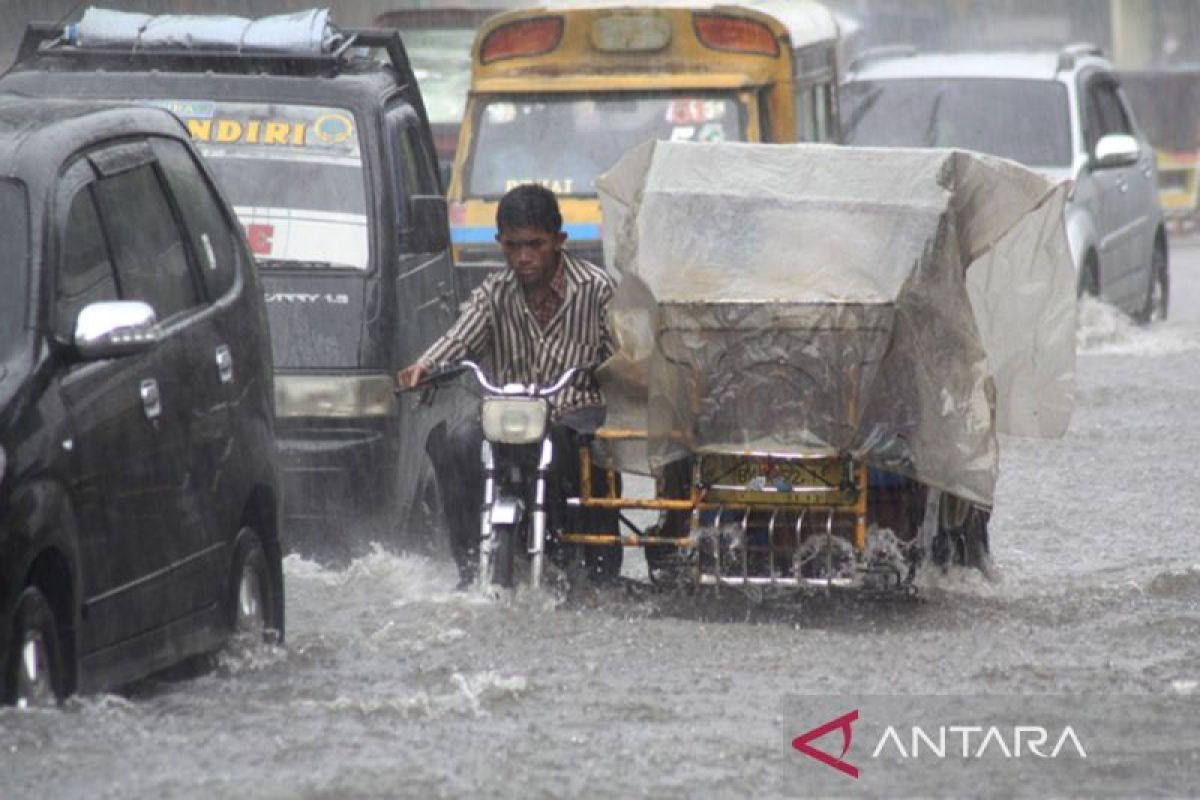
1089	278
34	675
255	602
1158	293
502	555
963	541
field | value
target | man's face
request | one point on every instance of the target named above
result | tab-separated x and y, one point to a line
531	253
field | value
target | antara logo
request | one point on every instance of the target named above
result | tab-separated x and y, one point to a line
842	723
945	741
977	741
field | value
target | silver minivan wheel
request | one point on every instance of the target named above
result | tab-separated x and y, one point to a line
1158	293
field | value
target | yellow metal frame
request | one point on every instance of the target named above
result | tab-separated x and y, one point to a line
700	500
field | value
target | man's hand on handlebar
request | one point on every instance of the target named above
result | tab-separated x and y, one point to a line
412	375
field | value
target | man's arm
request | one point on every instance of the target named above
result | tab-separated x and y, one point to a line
469	335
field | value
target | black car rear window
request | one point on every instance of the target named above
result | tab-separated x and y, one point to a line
14	256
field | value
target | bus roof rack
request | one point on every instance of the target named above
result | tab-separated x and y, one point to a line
881	51
1069	54
301	43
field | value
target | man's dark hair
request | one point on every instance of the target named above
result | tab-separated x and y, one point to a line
529	205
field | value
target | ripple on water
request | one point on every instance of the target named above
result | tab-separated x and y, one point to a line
472	695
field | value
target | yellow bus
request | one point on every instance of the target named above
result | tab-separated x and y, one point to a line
560	92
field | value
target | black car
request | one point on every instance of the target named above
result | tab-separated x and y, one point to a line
324	150
138	489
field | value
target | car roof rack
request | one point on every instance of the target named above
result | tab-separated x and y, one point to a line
348	48
1071	53
881	51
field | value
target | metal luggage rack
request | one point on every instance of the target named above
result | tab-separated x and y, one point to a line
48	42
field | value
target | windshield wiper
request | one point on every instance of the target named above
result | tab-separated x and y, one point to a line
866	101
931	138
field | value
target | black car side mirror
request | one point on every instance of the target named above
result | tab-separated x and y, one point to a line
115	328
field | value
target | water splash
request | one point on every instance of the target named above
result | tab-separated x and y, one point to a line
402	577
246	653
1105	330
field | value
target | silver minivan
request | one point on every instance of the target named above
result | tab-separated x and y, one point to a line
1060	113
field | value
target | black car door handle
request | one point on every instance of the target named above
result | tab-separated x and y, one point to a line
225	363
151	402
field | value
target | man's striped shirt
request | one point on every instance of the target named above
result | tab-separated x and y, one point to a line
496	321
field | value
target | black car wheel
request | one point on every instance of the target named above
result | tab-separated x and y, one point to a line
34	675
1158	293
255	601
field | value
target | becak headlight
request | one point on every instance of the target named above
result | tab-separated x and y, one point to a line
514	420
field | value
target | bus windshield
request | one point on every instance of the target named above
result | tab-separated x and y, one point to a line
564	141
294	176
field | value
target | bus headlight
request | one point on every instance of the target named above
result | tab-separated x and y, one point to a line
344	396
514	420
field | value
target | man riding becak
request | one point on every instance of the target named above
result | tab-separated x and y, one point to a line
545	313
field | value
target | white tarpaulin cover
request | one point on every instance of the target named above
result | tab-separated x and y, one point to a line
899	305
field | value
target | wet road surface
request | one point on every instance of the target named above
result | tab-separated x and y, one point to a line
393	685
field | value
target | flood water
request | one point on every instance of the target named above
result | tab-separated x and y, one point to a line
393	685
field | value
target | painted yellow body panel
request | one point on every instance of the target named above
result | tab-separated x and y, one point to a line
767	84
1178	184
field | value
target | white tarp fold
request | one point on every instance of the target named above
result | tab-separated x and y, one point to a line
899	305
